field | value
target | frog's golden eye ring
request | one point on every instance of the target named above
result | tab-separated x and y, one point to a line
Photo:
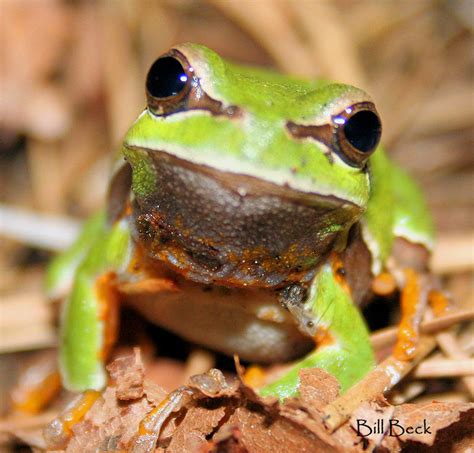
166	78
168	84
357	132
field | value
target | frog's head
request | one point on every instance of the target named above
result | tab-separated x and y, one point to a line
244	176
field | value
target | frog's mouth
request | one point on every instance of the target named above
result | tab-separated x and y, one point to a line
233	229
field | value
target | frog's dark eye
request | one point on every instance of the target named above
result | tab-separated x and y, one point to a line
363	130
168	84
166	78
357	132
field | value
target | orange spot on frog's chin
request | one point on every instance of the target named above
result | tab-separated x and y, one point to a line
408	334
108	300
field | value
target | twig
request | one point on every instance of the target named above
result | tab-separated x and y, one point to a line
448	397
380	380
43	231
449	345
270	27
322	22
385	337
407	392
445	368
33	329
453	253
14	422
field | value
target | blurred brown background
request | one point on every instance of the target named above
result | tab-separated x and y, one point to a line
72	81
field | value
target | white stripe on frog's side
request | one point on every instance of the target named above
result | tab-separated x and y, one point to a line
415	237
372	245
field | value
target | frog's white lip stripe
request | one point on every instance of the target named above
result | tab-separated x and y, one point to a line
229	164
284	190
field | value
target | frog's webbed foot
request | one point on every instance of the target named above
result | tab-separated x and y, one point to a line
58	433
419	290
150	427
329	316
133	414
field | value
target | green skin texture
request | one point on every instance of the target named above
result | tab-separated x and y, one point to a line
390	200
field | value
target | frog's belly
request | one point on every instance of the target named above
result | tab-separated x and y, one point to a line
232	321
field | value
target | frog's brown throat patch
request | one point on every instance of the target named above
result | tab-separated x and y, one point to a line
236	230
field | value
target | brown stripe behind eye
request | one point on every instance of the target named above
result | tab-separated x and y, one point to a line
322	133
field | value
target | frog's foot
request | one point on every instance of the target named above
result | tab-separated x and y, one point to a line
37	385
58	433
413	300
151	425
335	357
418	291
342	340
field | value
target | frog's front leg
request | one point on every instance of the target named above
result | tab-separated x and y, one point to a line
87	257
342	340
90	313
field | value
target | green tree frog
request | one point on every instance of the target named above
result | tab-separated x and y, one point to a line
249	212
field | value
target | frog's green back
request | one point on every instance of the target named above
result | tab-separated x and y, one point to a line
262	91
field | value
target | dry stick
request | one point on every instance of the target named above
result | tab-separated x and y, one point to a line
407	393
385	337
45	176
444	397
40	230
32	330
445	368
382	23
15	422
121	72
450	346
384	377
453	253
442	113
417	89
322	22
270	27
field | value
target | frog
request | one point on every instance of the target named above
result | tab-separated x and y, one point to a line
248	212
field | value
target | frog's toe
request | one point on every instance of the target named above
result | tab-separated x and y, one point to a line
59	431
151	425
